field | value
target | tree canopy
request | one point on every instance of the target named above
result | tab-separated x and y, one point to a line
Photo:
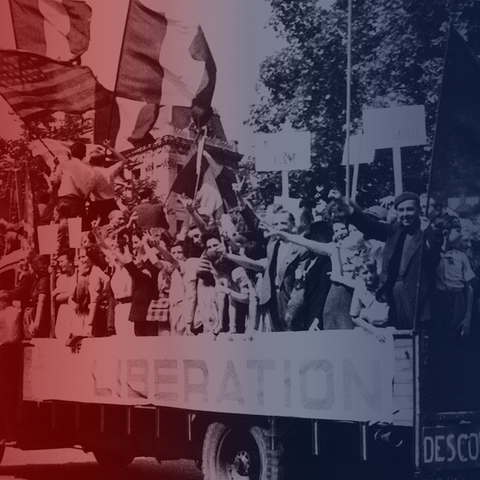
397	59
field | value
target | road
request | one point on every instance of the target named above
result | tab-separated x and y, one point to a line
70	464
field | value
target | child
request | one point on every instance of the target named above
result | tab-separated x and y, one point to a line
454	275
366	311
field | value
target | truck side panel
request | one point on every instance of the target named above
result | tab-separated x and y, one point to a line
403	382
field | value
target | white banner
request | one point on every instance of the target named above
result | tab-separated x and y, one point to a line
337	375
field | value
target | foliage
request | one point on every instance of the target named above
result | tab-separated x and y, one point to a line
127	191
15	157
397	57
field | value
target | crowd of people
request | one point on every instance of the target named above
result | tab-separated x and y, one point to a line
397	264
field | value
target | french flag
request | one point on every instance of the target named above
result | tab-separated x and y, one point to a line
165	60
58	29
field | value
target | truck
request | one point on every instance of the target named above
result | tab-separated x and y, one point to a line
277	406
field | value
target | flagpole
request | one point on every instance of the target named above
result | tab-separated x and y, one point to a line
430	173
201	146
13	24
114	94
349	94
440	90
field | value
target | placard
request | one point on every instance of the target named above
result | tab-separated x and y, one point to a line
47	239
283	151
75	232
395	127
361	150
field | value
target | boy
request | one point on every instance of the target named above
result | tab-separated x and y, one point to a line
366	311
454	275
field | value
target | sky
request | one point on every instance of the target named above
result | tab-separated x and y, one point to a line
236	31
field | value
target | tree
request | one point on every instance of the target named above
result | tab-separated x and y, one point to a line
16	159
397	58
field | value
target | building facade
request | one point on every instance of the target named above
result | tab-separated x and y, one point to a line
164	159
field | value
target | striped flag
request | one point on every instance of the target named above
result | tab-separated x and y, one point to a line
59	29
165	60
215	194
34	85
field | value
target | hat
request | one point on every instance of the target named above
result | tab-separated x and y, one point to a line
378	212
403	197
320	230
5	295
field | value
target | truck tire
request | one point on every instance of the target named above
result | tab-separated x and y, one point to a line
112	458
240	452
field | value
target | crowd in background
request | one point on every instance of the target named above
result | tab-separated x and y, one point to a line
333	267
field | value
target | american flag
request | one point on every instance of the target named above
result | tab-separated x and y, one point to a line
34	85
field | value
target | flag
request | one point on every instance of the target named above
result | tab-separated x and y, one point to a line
34	85
165	60
59	29
215	194
455	167
50	149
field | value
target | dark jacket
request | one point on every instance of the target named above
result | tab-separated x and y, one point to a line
420	263
145	290
289	298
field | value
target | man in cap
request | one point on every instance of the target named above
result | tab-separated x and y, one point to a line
406	270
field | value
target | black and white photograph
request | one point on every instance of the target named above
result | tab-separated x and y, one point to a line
240	239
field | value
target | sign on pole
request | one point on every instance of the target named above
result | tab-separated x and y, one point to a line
75	232
47	239
283	151
394	128
361	150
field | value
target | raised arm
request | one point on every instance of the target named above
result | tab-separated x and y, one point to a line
153	252
245	262
371	228
318	248
121	160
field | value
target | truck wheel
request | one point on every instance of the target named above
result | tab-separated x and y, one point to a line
113	459
240	453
